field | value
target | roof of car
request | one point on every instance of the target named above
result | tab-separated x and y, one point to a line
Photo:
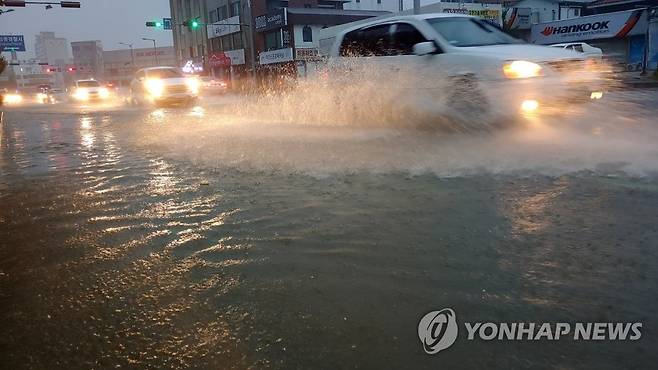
405	18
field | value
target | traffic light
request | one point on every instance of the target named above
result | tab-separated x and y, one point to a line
157	24
192	24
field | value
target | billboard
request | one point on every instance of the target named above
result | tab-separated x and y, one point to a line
12	42
600	26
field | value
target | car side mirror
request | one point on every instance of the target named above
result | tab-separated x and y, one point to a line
426	48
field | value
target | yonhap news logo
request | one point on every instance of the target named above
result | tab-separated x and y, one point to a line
438	331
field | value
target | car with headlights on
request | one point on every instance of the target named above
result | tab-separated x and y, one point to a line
463	64
89	91
163	85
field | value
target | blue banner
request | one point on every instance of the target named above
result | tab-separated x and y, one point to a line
12	42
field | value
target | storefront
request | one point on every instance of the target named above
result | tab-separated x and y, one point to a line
227	57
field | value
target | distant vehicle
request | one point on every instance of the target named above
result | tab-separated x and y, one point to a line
90	90
56	96
587	50
468	64
42	94
211	85
163	85
10	97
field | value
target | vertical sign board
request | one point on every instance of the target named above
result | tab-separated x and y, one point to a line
12	43
600	26
166	23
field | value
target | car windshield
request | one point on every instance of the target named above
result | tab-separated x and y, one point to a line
88	84
164	73
464	32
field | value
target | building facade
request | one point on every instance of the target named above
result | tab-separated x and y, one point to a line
120	65
189	44
88	59
52	50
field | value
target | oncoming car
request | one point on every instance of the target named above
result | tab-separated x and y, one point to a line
89	91
586	49
163	85
463	63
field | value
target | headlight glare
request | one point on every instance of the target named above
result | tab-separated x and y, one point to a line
155	87
522	69
192	84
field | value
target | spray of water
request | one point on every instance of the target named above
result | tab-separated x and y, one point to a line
385	123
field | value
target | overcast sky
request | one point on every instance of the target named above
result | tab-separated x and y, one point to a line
111	21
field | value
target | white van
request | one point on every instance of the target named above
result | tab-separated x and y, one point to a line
468	61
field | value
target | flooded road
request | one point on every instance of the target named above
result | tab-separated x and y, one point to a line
222	237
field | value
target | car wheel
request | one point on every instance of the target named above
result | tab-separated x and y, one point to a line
466	101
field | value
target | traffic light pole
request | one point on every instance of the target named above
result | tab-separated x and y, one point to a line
22	4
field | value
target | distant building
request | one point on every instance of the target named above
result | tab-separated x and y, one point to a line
120	65
88	59
52	50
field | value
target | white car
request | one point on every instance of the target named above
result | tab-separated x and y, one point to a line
163	85
585	49
89	90
470	64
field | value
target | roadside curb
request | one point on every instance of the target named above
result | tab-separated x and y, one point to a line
641	83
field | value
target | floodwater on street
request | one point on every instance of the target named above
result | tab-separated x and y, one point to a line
237	235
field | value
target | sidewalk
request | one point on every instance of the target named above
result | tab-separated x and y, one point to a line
635	79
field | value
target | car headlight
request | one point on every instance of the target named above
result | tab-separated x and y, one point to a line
155	87
13	99
81	94
104	93
41	97
192	84
522	69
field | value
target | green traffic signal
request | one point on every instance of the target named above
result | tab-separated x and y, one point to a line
195	24
158	24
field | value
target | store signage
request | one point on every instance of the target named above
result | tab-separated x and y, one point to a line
272	20
307	53
226	58
601	26
12	42
224	27
275	56
490	14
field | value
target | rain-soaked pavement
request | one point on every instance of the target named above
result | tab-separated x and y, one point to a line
237	236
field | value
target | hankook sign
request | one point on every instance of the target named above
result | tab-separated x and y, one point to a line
601	26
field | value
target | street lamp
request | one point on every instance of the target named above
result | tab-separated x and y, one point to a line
155	49
132	55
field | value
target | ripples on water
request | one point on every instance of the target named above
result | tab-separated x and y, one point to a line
223	237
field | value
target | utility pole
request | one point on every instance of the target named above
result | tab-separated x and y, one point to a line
416	6
155	49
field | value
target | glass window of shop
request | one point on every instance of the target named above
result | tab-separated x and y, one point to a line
235	8
273	40
227	42
213	16
237	40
